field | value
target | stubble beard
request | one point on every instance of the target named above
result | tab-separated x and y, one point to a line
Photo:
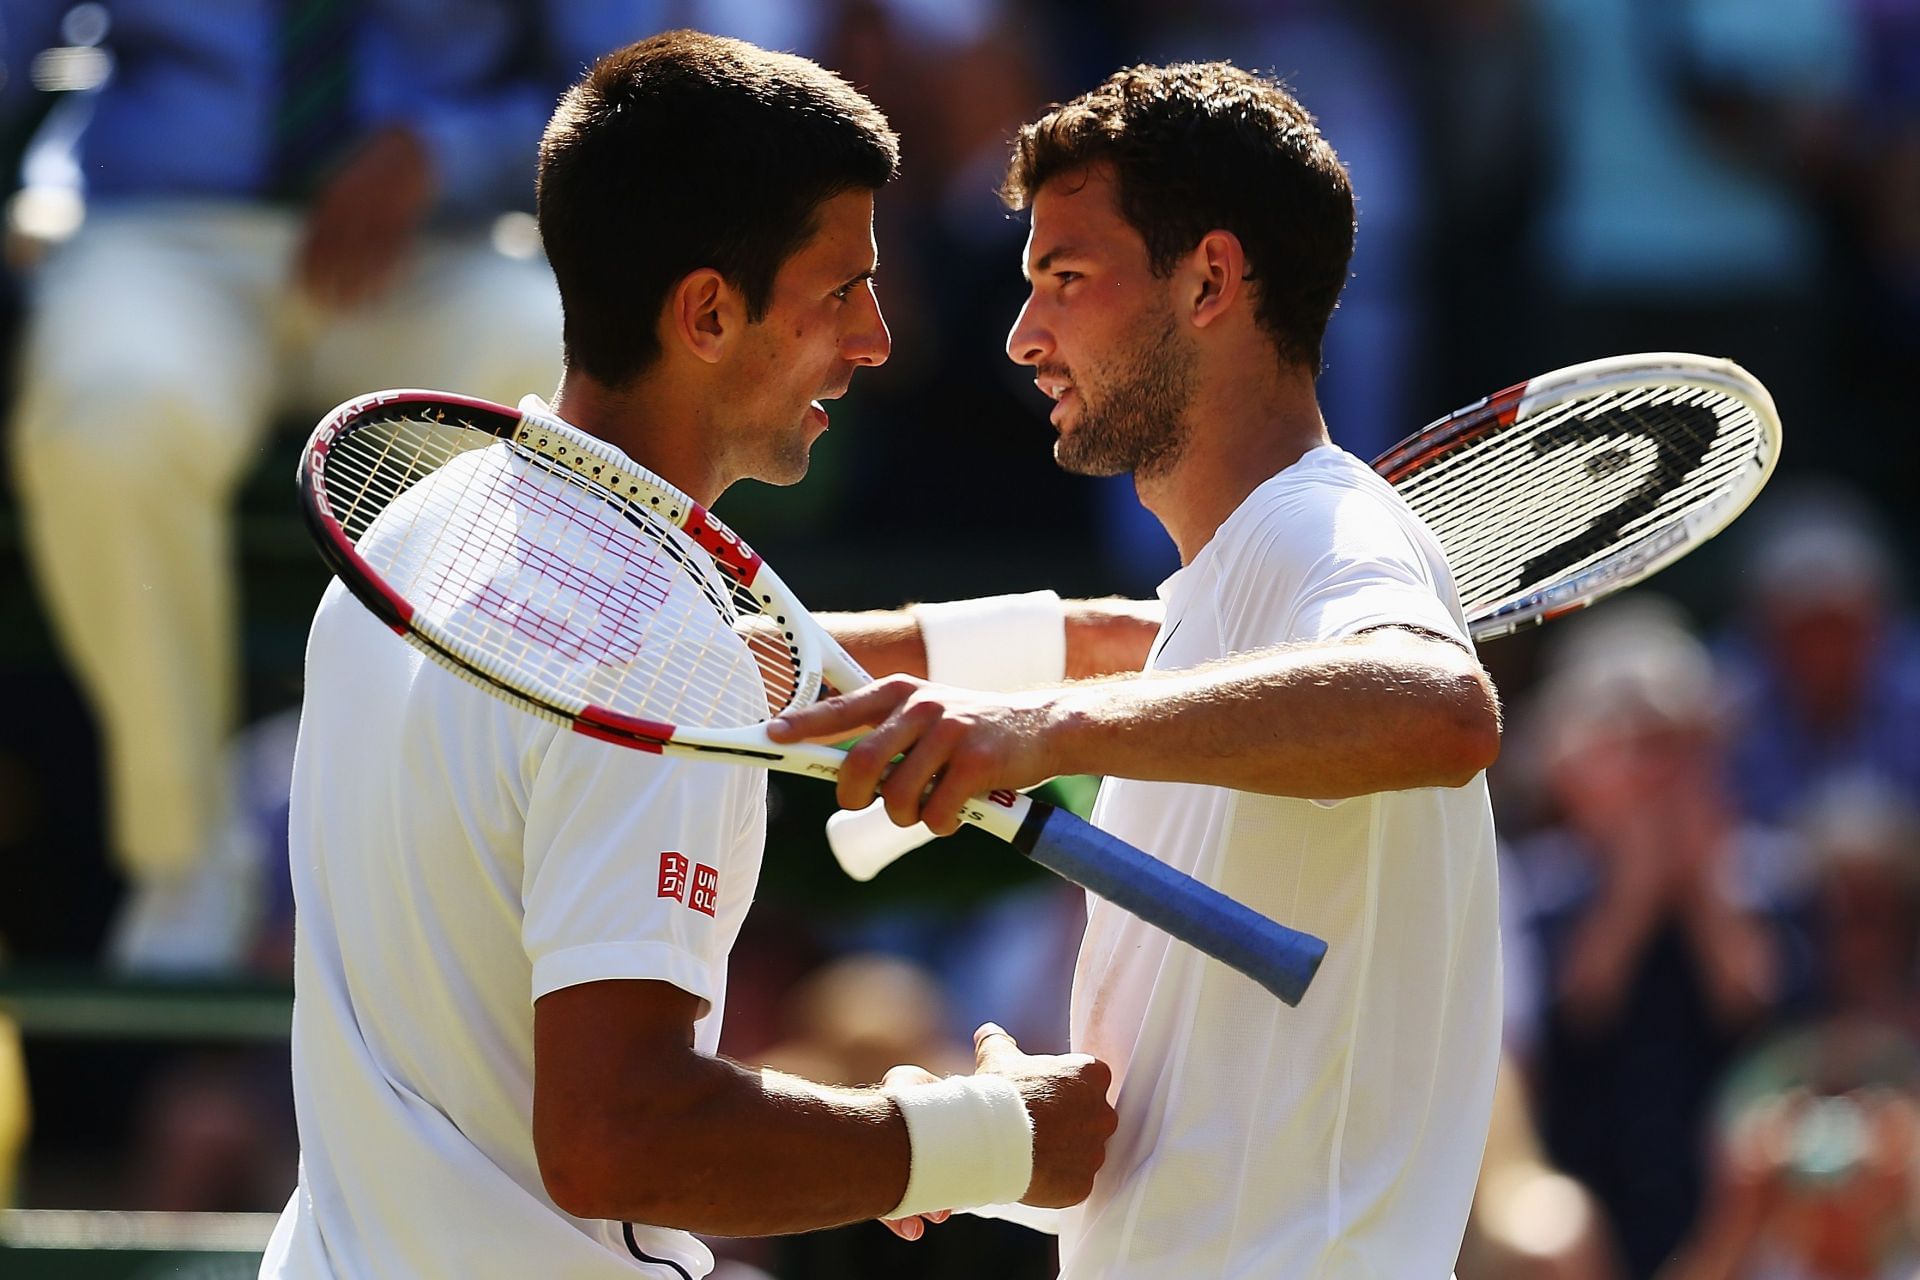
775	453
787	461
1137	424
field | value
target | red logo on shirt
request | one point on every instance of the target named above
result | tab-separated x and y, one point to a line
706	889
673	875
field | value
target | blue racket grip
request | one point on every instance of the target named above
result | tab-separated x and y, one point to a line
1280	959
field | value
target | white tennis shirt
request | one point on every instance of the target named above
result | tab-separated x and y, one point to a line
1340	1140
454	859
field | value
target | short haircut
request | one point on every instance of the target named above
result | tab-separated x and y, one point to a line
1204	146
687	151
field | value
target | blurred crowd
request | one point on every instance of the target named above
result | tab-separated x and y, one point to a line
222	219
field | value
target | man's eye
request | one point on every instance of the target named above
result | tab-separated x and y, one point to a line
1066	277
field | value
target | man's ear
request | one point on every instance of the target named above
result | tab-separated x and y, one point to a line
1213	276
703	314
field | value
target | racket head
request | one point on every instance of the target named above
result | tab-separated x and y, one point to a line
545	566
1558	492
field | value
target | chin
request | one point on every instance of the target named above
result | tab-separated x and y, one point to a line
1075	458
787	468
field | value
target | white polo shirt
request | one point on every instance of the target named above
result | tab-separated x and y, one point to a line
454	859
1340	1140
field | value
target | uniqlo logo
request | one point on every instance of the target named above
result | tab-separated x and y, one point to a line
706	889
673	876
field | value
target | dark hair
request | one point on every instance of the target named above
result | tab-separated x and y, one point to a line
1201	146
687	151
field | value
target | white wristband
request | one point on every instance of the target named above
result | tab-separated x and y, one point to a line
995	643
971	1140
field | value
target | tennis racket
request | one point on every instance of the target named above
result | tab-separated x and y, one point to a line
546	567
1547	497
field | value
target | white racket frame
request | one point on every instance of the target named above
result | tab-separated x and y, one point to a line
1282	959
818	656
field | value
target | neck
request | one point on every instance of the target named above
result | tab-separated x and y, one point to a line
1240	432
649	421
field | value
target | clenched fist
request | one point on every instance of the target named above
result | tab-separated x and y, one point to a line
1066	1094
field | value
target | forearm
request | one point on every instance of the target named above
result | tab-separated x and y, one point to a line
731	1151
1323	722
885	642
1102	637
1110	636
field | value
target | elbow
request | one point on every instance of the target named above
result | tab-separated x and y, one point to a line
577	1173
1474	754
574	1186
1472	733
591	1168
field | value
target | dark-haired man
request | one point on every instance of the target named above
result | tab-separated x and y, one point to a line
1309	735
512	944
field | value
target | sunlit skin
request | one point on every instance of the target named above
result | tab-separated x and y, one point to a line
731	397
1105	340
1170	375
1389	710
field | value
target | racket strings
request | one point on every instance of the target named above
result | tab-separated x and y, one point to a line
1566	488
549	583
368	471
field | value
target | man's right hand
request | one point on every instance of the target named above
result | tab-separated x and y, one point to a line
1066	1095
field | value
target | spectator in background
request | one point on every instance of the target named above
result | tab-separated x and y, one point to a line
1865	841
1820	1128
1816	1160
1825	669
1662	922
287	204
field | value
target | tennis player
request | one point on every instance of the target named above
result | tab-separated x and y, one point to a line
511	954
1309	736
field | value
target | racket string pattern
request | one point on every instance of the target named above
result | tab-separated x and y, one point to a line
1529	504
546	568
521	569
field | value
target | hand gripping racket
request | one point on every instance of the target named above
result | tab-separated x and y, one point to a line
546	567
1546	497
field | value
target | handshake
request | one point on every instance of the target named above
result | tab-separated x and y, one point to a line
1022	1128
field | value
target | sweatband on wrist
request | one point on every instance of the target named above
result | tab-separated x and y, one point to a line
996	642
971	1141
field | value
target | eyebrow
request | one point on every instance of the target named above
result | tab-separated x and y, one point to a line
1048	258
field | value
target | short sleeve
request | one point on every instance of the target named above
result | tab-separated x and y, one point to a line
1330	562
625	852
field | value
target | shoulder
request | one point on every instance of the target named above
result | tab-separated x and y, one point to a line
1329	502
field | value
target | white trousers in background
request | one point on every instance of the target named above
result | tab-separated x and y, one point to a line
164	340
